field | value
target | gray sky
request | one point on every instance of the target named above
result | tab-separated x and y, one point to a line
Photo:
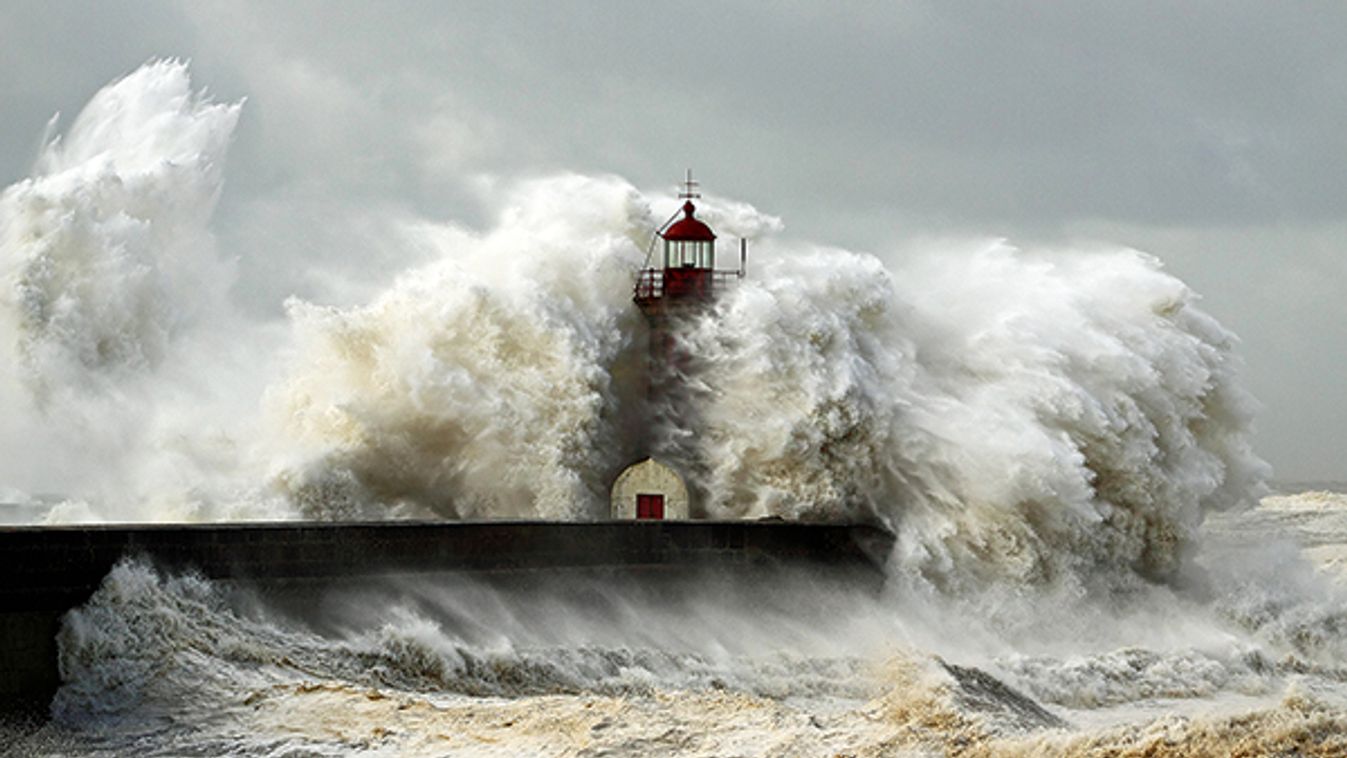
1208	133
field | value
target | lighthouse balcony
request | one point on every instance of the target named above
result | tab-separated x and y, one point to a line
657	286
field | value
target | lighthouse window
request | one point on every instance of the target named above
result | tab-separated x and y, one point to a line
683	254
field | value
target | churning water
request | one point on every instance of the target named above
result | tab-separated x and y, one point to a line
1058	438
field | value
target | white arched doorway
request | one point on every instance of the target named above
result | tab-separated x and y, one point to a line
649	490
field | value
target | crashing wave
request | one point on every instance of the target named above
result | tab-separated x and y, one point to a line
1016	417
105	249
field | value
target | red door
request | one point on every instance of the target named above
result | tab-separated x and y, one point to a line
650	506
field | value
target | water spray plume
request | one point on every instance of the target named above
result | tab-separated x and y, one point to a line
1014	416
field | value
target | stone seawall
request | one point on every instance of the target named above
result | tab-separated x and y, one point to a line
48	570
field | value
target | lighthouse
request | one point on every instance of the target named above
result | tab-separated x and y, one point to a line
678	282
679	279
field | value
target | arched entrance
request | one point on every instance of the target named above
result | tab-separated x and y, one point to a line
649	490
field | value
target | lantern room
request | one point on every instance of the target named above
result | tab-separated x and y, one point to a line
689	243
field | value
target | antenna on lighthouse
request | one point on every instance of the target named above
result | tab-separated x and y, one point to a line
689	188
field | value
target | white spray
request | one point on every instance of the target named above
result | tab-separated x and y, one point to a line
489	383
1013	416
1009	414
111	292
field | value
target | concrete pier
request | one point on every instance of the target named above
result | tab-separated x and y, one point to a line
49	570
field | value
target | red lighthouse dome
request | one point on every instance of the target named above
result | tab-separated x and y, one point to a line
689	228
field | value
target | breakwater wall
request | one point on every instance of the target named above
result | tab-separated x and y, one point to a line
48	570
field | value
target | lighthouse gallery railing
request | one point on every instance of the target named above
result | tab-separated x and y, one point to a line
650	282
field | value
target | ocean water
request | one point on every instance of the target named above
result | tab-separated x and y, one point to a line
1250	663
1089	556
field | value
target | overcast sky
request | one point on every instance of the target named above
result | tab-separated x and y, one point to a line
1212	135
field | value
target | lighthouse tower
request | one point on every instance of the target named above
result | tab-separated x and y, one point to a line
680	279
678	282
